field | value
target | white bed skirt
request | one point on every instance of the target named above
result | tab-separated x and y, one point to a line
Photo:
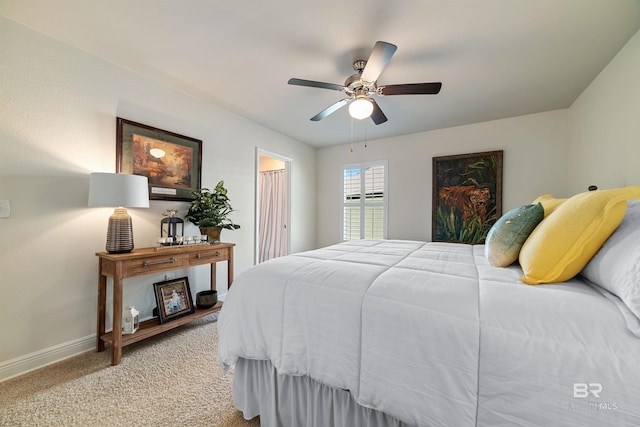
283	400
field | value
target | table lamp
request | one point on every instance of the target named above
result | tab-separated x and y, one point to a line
121	191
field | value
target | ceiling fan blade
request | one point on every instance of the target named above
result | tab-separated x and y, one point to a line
377	116
311	83
378	60
411	89
324	113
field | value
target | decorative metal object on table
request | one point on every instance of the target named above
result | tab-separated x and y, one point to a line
171	229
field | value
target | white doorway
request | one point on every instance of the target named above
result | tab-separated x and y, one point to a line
273	205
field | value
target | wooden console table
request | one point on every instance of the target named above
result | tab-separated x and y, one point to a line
147	261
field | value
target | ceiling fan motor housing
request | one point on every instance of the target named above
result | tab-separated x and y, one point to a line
354	85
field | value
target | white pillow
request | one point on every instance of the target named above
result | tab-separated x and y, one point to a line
616	266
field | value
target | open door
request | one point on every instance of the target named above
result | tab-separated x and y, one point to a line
273	205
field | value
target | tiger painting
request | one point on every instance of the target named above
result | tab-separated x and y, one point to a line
471	201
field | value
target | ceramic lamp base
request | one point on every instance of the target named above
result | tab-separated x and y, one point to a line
119	232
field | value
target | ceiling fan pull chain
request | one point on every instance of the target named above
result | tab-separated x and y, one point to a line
351	149
365	134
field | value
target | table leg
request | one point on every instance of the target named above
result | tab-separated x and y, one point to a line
213	276
102	308
116	333
230	268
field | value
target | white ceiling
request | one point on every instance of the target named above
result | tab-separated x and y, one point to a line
495	58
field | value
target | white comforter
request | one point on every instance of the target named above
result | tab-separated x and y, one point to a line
433	335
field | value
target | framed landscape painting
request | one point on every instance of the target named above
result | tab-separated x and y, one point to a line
467	196
171	162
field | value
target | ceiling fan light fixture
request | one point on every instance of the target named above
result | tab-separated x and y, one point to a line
361	108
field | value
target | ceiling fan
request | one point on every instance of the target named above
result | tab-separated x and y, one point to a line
361	86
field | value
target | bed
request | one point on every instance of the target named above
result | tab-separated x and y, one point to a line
409	333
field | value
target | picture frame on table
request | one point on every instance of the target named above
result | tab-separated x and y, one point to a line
174	299
467	196
171	162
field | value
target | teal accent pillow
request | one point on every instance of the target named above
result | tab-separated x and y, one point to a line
510	231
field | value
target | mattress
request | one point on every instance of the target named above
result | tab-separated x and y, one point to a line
432	335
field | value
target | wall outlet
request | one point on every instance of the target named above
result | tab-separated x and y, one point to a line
169	276
5	209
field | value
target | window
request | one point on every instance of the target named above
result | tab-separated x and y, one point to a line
364	201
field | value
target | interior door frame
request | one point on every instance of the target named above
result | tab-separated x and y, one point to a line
288	162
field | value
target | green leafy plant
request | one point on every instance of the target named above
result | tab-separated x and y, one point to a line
211	208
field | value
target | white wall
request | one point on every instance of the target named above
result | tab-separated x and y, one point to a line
605	125
58	109
534	159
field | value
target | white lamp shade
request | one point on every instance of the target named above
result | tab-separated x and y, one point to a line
361	108
118	190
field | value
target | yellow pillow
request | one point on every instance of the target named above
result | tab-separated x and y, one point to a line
563	243
549	203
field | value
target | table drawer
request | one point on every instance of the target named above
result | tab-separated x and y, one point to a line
154	264
206	256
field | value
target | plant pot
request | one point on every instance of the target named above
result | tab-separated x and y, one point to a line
212	233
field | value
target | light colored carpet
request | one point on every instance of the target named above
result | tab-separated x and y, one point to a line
168	380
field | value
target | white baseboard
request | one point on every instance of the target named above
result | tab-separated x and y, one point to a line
21	365
39	359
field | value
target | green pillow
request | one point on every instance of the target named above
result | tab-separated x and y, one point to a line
509	233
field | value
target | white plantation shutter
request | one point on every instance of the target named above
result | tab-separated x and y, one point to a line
364	201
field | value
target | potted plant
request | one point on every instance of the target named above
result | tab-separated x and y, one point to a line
209	210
